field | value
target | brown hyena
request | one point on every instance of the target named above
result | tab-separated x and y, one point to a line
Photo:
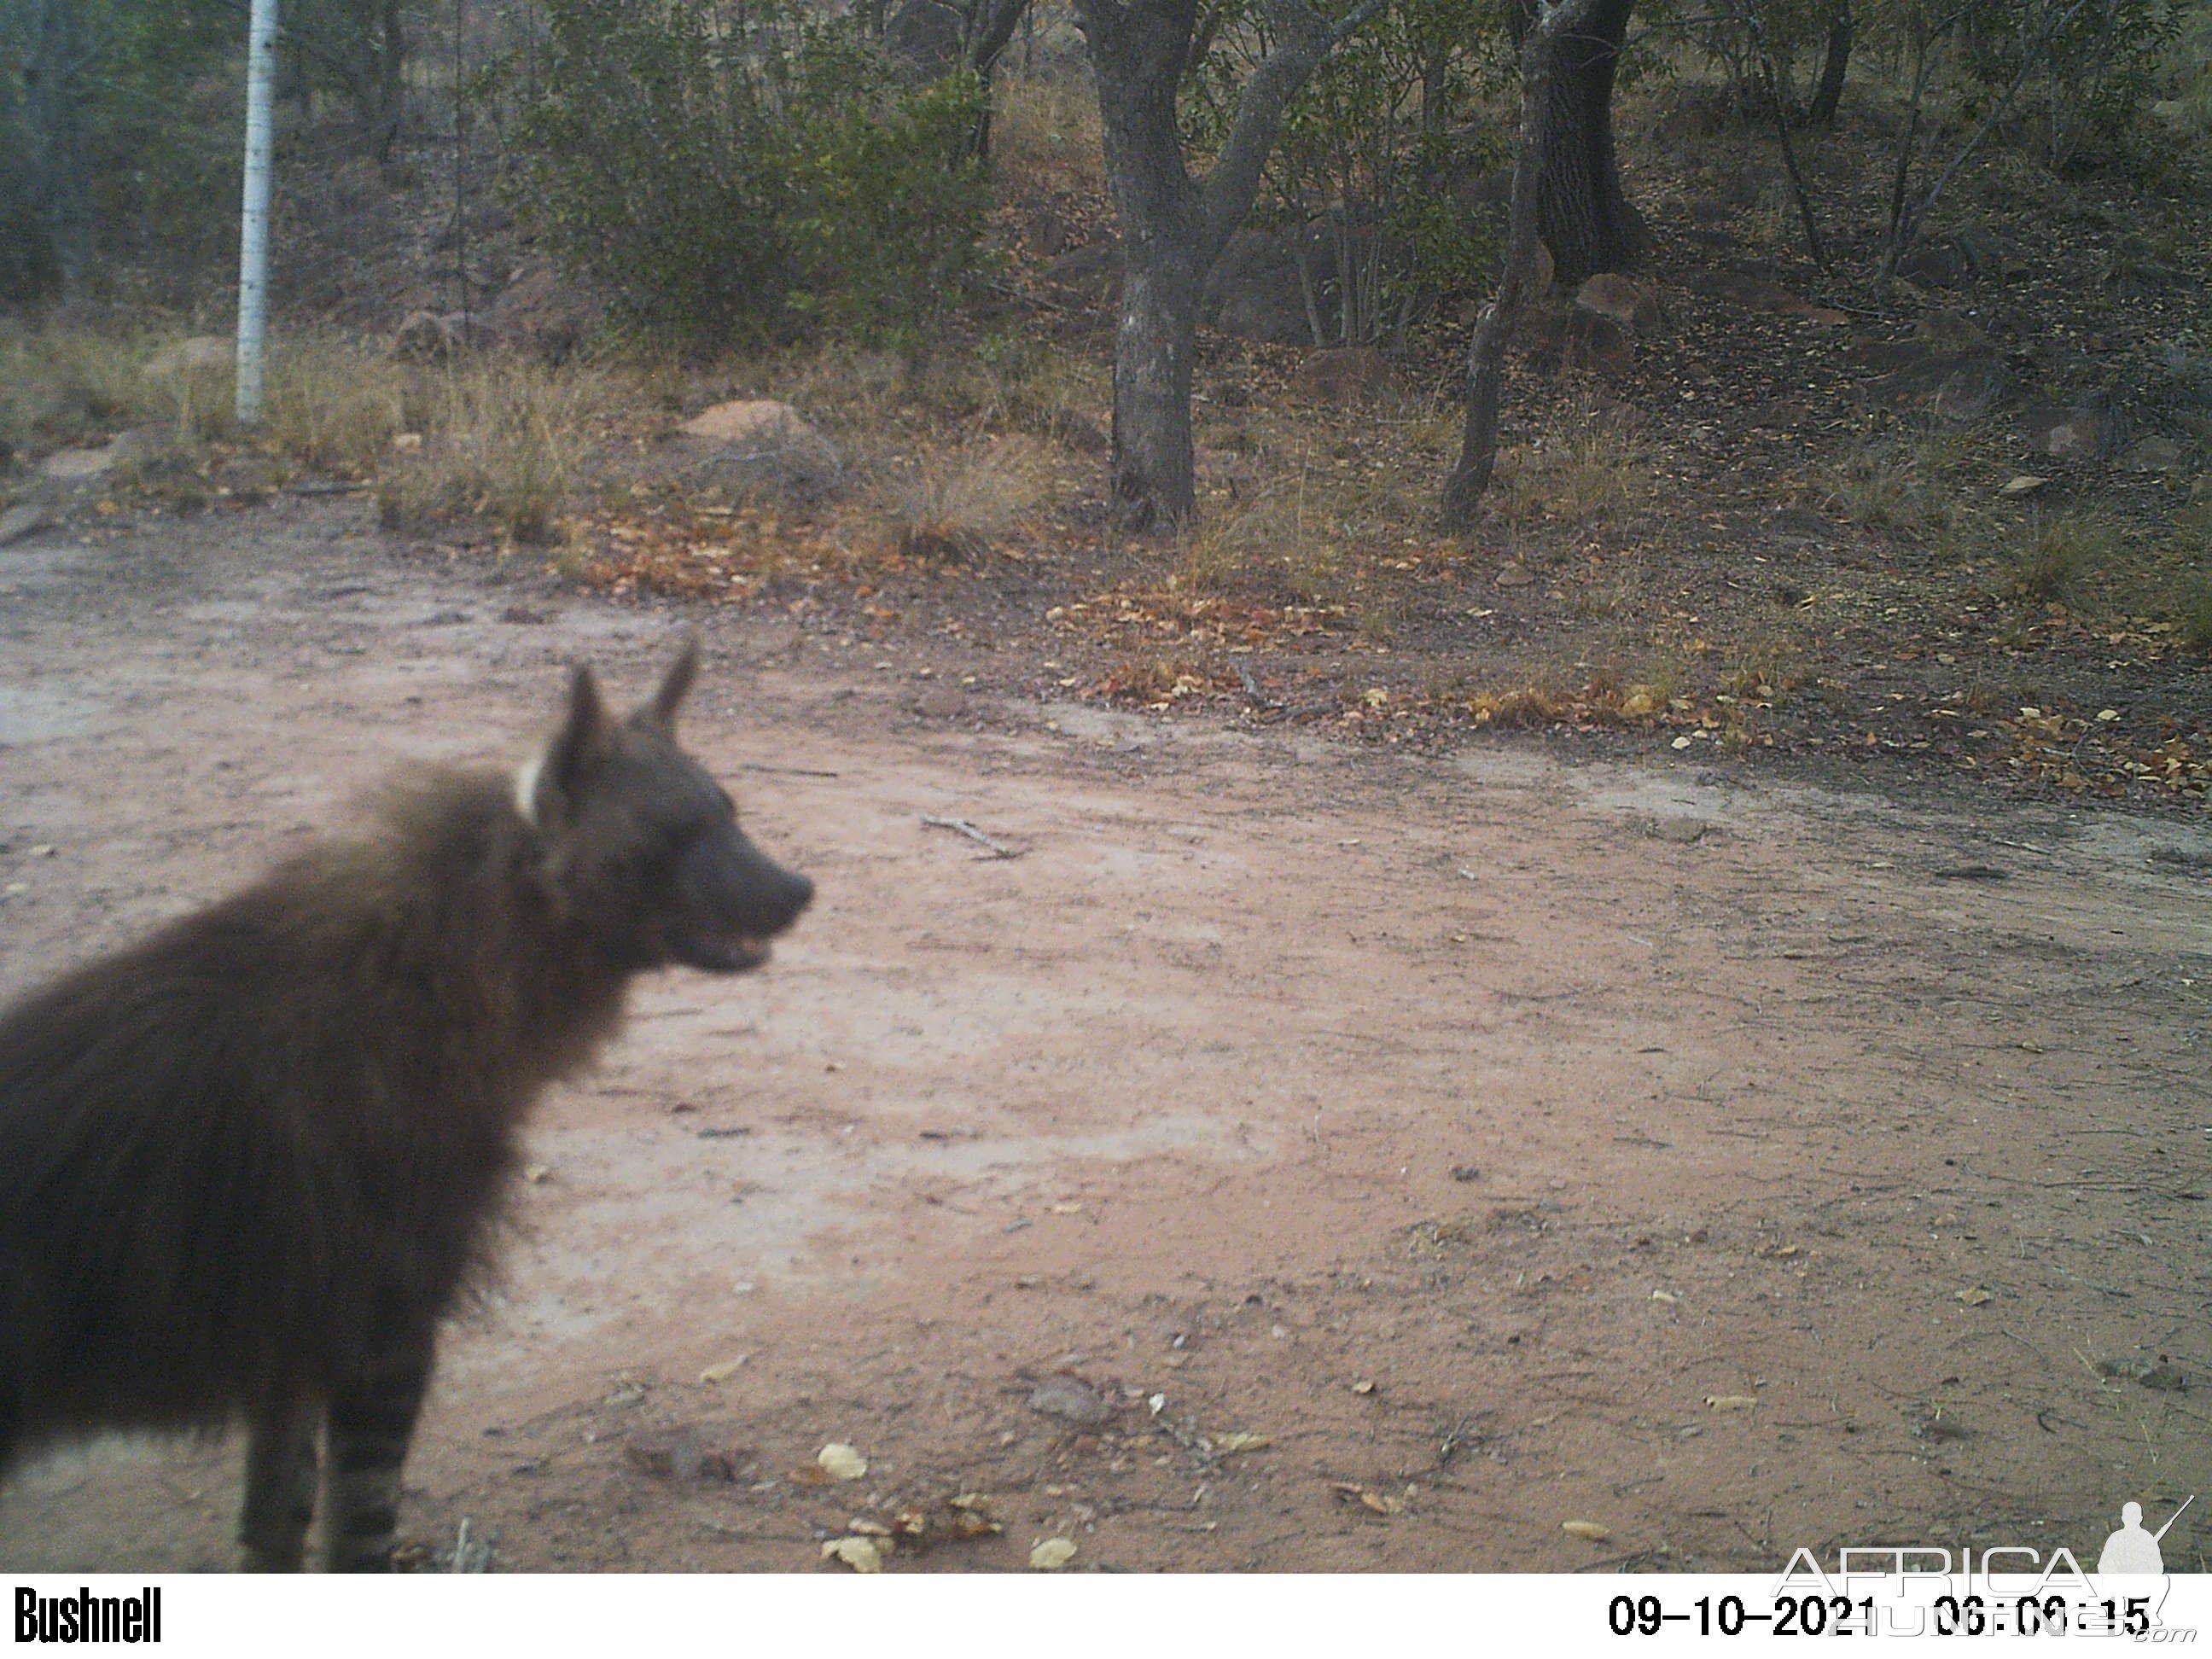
247	1165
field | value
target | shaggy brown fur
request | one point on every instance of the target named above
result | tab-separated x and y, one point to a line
247	1165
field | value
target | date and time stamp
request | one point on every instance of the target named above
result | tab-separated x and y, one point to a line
1950	1614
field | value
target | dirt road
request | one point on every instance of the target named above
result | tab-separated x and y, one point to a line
1484	1133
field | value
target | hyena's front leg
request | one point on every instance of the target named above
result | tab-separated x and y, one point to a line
371	1421
279	1490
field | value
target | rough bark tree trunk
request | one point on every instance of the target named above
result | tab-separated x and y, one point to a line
1583	214
987	29
54	87
1174	228
1822	112
1154	477
1541	54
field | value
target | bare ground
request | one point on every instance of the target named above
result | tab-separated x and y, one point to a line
1467	1127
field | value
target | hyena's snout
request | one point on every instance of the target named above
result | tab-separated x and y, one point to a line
736	900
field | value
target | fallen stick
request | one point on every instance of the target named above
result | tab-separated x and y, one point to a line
1261	700
999	848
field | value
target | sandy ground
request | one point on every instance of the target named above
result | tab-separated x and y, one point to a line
1483	1133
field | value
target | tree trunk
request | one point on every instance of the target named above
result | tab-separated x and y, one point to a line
1830	92
1154	352
1540	58
1174	228
987	29
1583	214
391	83
60	181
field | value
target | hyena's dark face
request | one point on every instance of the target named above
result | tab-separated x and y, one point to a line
644	848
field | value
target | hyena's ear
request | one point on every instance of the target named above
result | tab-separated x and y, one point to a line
549	782
675	685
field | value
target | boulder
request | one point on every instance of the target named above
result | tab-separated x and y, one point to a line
1953	330
1973	253
1350	375
754	444
2085	431
1257	292
1756	293
1093	270
2155	454
924	35
1595	343
1632	305
430	337
208	355
544	312
1922	377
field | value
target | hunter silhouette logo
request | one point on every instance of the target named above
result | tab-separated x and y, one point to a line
2133	1550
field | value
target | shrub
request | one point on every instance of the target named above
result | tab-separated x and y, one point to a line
733	170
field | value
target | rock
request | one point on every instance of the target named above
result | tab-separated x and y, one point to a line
1514	575
1595	343
70	465
924	35
751	422
1971	253
1072	1400
201	355
24	519
754	443
427	337
2156	454
544	312
2023	483
1756	293
1093	269
1924	377
1950	329
1255	291
1349	374
1622	300
678	1454
1681	831
2080	432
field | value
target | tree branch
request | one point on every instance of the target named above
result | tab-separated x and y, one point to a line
1303	38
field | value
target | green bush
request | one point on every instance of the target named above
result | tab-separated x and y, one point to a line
738	169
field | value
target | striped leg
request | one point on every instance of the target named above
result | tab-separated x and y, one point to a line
280	1491
371	1422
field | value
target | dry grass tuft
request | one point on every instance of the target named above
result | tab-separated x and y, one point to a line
1045	133
506	441
950	505
1589	464
2048	563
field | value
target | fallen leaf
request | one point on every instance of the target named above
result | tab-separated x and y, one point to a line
1589	1529
1731	1402
861	1554
1052	1554
722	1371
1664	1296
841	1463
1065	1209
1365	1387
1240	1442
1382	1502
536	1174
1975	1297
